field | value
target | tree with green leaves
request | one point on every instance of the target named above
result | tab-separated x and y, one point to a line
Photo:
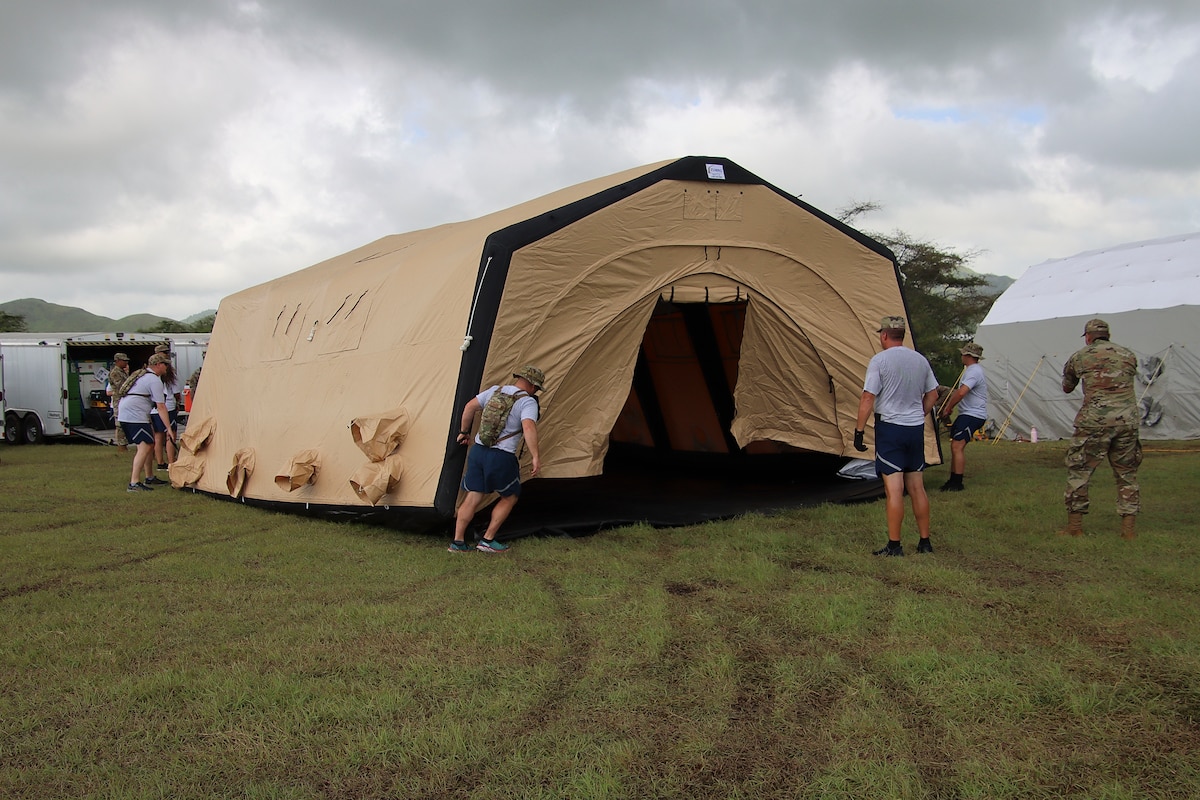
11	323
202	325
946	301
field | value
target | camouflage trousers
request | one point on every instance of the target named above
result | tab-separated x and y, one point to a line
1122	448
119	438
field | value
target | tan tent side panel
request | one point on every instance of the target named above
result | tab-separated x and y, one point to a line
293	361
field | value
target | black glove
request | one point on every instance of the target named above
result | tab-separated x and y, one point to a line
858	441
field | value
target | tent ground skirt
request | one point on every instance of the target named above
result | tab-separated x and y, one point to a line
664	490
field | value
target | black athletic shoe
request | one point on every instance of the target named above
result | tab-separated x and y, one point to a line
924	546
951	486
154	480
890	549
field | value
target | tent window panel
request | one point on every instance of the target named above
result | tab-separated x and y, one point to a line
699	204
344	325
729	206
286	328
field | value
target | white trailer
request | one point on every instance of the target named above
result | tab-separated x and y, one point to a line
54	383
1	383
187	353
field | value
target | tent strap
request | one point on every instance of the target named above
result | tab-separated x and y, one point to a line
1013	410
474	304
1162	362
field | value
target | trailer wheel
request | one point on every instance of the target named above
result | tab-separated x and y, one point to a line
32	429
12	430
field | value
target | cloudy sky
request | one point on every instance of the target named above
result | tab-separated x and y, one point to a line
158	155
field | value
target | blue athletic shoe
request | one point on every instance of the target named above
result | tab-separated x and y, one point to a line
493	546
459	547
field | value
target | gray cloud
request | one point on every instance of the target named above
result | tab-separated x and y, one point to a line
194	149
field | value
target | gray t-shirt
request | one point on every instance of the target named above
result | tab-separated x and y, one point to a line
139	402
974	402
899	378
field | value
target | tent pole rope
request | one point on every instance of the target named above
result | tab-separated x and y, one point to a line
1162	362
475	302
1013	410
946	399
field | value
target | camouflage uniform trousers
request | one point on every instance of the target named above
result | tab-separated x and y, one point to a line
1123	449
119	438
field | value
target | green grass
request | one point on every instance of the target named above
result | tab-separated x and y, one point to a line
170	645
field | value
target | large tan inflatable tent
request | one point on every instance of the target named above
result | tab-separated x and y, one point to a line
685	310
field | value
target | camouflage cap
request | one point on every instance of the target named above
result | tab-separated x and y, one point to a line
533	375
159	358
972	349
121	357
1096	327
892	324
162	348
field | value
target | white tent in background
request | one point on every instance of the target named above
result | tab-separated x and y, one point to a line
1148	292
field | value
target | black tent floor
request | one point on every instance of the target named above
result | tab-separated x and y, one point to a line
642	495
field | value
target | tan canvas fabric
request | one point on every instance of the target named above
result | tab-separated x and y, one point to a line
816	297
198	433
186	469
243	467
293	363
302	470
375	479
379	435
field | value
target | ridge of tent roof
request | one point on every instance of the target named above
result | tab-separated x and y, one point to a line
1156	273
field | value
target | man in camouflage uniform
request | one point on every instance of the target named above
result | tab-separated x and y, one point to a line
1106	426
116	377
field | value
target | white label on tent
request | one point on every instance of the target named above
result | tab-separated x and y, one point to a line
716	172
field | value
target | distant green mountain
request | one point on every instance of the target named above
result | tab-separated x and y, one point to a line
43	317
997	283
212	312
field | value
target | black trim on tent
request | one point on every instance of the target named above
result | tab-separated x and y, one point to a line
408	518
496	258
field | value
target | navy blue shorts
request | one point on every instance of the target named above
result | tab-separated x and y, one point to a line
964	427
156	422
899	448
138	432
490	469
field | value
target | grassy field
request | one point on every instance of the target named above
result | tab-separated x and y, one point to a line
169	645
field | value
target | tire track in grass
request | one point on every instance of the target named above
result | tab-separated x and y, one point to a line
929	753
549	711
761	744
76	575
936	764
